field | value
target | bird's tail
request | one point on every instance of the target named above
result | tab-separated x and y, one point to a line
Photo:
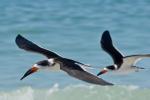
145	55
141	68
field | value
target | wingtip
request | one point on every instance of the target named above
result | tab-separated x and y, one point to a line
111	84
21	79
18	36
106	33
106	37
19	40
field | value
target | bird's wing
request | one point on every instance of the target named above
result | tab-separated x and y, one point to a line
27	45
79	63
107	45
87	77
76	71
133	59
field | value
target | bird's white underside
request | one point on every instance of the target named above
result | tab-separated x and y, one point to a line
56	67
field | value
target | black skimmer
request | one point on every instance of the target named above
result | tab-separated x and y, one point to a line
56	62
122	64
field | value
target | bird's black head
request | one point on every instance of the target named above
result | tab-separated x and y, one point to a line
111	67
43	63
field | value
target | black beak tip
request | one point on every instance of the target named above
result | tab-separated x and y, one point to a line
21	79
25	75
98	74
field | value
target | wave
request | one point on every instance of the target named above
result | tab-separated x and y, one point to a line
77	92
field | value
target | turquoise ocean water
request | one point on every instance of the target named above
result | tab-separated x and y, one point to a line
73	28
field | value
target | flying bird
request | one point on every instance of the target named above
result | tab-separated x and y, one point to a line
122	64
56	62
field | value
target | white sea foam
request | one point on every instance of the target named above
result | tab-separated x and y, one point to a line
26	93
77	92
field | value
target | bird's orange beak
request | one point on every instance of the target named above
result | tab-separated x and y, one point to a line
102	72
30	71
